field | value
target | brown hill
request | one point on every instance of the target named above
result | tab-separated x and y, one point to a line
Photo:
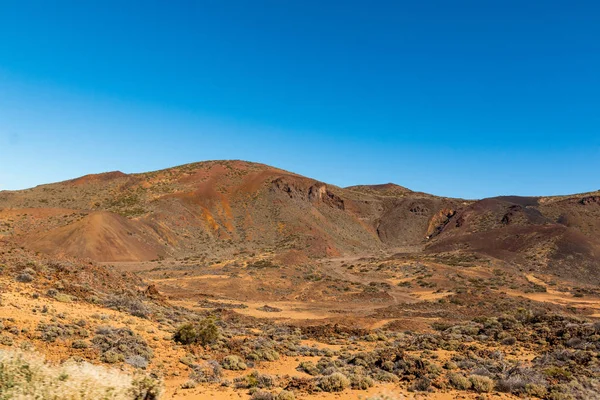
222	208
559	235
216	207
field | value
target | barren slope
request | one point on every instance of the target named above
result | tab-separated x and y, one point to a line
550	235
217	208
222	208
101	236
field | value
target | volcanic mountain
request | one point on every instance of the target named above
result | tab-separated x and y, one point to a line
228	207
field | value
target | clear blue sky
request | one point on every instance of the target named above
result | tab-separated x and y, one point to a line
457	98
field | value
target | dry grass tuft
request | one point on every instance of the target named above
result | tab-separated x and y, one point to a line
28	376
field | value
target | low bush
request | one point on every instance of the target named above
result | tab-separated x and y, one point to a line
118	344
254	380
509	341
481	384
285	395
517	379
6	340
459	381
137	361
386	397
204	332
209	371
420	385
360	382
308	367
189	384
267	308
233	363
336	382
80	344
52	332
533	389
128	304
24	277
262	395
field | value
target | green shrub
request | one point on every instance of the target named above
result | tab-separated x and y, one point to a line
233	363
559	374
186	334
558	393
204	332
261	264
308	367
449	365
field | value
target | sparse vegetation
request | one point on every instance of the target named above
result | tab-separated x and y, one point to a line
119	344
52	332
25	277
128	304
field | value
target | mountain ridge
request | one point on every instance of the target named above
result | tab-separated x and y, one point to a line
226	206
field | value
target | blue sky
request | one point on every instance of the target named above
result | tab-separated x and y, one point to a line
463	98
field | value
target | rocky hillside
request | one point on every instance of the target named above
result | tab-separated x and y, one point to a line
225	208
559	235
214	207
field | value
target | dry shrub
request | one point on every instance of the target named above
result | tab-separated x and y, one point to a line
28	376
233	363
120	344
481	384
335	382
